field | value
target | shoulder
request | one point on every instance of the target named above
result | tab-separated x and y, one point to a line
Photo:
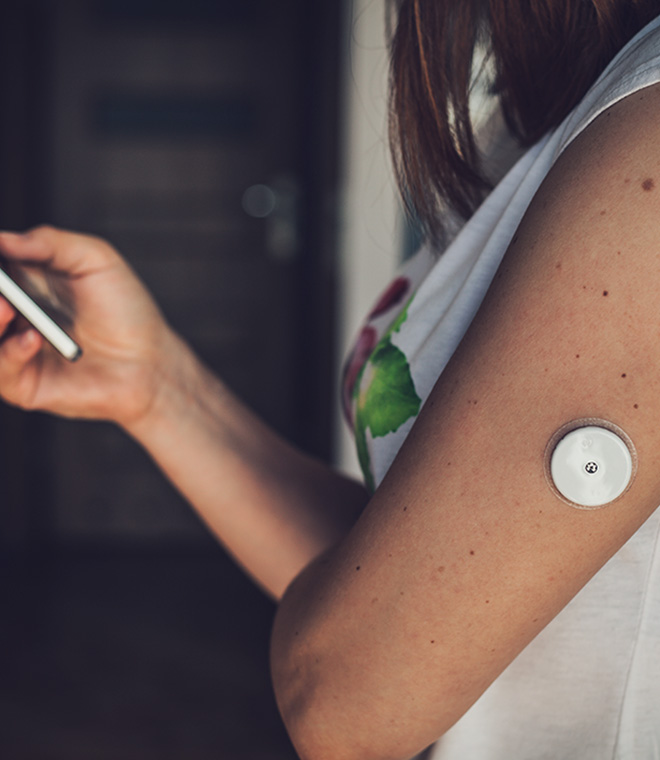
623	140
593	227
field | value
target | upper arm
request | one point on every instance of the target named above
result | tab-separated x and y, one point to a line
464	553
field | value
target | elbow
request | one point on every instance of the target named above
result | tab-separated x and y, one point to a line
336	701
326	728
301	703
306	730
328	719
301	660
315	731
310	710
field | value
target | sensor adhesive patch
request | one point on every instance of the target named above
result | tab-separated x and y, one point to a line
590	463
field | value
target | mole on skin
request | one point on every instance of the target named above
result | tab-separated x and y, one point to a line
648	184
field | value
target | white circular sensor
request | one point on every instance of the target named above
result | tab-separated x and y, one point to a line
591	466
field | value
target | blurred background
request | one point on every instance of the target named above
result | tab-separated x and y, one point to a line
236	153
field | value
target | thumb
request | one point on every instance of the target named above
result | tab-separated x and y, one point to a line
63	251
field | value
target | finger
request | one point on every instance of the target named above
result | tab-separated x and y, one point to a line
18	349
7	314
66	251
16	353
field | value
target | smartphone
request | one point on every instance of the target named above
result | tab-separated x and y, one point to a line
34	306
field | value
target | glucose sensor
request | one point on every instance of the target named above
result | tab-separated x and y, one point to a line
589	463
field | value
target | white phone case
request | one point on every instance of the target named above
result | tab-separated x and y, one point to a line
38	318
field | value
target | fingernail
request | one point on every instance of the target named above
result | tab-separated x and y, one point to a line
26	339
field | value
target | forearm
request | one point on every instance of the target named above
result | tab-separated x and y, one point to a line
273	507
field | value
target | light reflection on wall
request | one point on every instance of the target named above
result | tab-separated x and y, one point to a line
371	219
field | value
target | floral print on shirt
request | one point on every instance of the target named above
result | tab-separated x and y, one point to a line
379	392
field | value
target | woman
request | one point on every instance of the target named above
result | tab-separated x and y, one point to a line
471	602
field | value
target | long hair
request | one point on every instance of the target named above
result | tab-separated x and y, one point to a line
544	55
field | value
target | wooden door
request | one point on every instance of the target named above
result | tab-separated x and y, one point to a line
196	137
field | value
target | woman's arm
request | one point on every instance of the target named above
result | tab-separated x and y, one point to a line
465	554
274	508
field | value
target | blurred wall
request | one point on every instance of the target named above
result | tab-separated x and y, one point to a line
370	218
200	137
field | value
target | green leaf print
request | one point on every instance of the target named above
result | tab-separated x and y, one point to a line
391	398
386	396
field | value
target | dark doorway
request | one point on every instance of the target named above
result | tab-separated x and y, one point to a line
199	137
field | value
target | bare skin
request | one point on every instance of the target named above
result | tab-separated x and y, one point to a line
391	629
273	507
464	554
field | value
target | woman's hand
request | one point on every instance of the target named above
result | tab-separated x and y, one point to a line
274	508
124	337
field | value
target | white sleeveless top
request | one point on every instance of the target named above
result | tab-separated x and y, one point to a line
588	687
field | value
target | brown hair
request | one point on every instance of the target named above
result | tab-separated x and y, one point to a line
545	55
